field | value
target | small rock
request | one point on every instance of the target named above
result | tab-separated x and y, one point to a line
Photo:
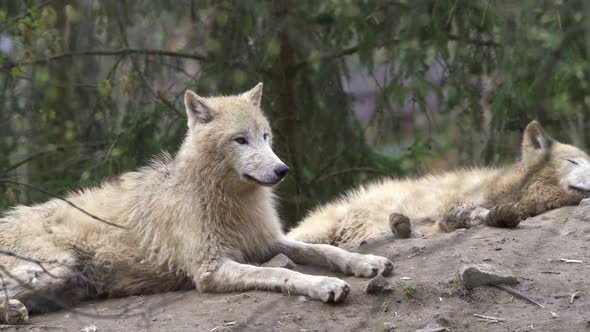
281	261
583	210
378	285
89	328
433	328
302	299
441	320
484	274
388	327
32	328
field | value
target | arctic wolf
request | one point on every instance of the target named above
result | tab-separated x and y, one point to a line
549	175
203	218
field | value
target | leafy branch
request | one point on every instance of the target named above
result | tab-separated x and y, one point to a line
354	49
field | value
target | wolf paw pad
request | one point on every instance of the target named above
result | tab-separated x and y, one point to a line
368	266
330	290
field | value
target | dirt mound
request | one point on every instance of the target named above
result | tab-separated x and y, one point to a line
428	293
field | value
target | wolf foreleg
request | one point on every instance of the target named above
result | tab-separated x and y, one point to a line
333	258
228	275
467	215
462	215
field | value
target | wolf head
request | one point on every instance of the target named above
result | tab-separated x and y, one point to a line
569	166
232	134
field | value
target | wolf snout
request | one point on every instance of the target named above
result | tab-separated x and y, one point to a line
281	171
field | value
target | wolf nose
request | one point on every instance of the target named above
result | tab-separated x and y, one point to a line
281	171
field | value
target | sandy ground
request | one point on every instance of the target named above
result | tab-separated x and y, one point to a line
429	266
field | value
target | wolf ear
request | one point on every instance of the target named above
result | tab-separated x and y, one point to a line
535	138
254	95
197	109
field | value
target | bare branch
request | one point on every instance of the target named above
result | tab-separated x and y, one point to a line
30	260
335	55
120	52
61	199
473	41
156	94
26	160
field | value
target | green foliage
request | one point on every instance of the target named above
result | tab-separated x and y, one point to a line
409	292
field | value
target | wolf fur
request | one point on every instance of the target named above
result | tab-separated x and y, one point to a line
204	218
549	175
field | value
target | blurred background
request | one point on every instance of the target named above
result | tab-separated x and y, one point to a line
354	89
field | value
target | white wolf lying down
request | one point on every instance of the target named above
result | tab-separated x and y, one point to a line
197	219
549	175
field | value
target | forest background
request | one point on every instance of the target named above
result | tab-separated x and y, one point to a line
355	90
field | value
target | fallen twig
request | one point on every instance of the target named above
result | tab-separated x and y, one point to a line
551	272
416	253
520	296
226	324
575	296
565	260
523	297
489	318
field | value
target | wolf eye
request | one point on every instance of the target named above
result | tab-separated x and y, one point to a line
573	161
241	140
265	136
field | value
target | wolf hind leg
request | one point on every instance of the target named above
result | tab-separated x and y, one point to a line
13	312
36	285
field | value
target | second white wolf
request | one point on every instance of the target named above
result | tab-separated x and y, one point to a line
549	175
203	218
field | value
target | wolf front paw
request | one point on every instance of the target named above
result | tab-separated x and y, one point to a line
503	216
368	266
13	313
329	290
400	225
